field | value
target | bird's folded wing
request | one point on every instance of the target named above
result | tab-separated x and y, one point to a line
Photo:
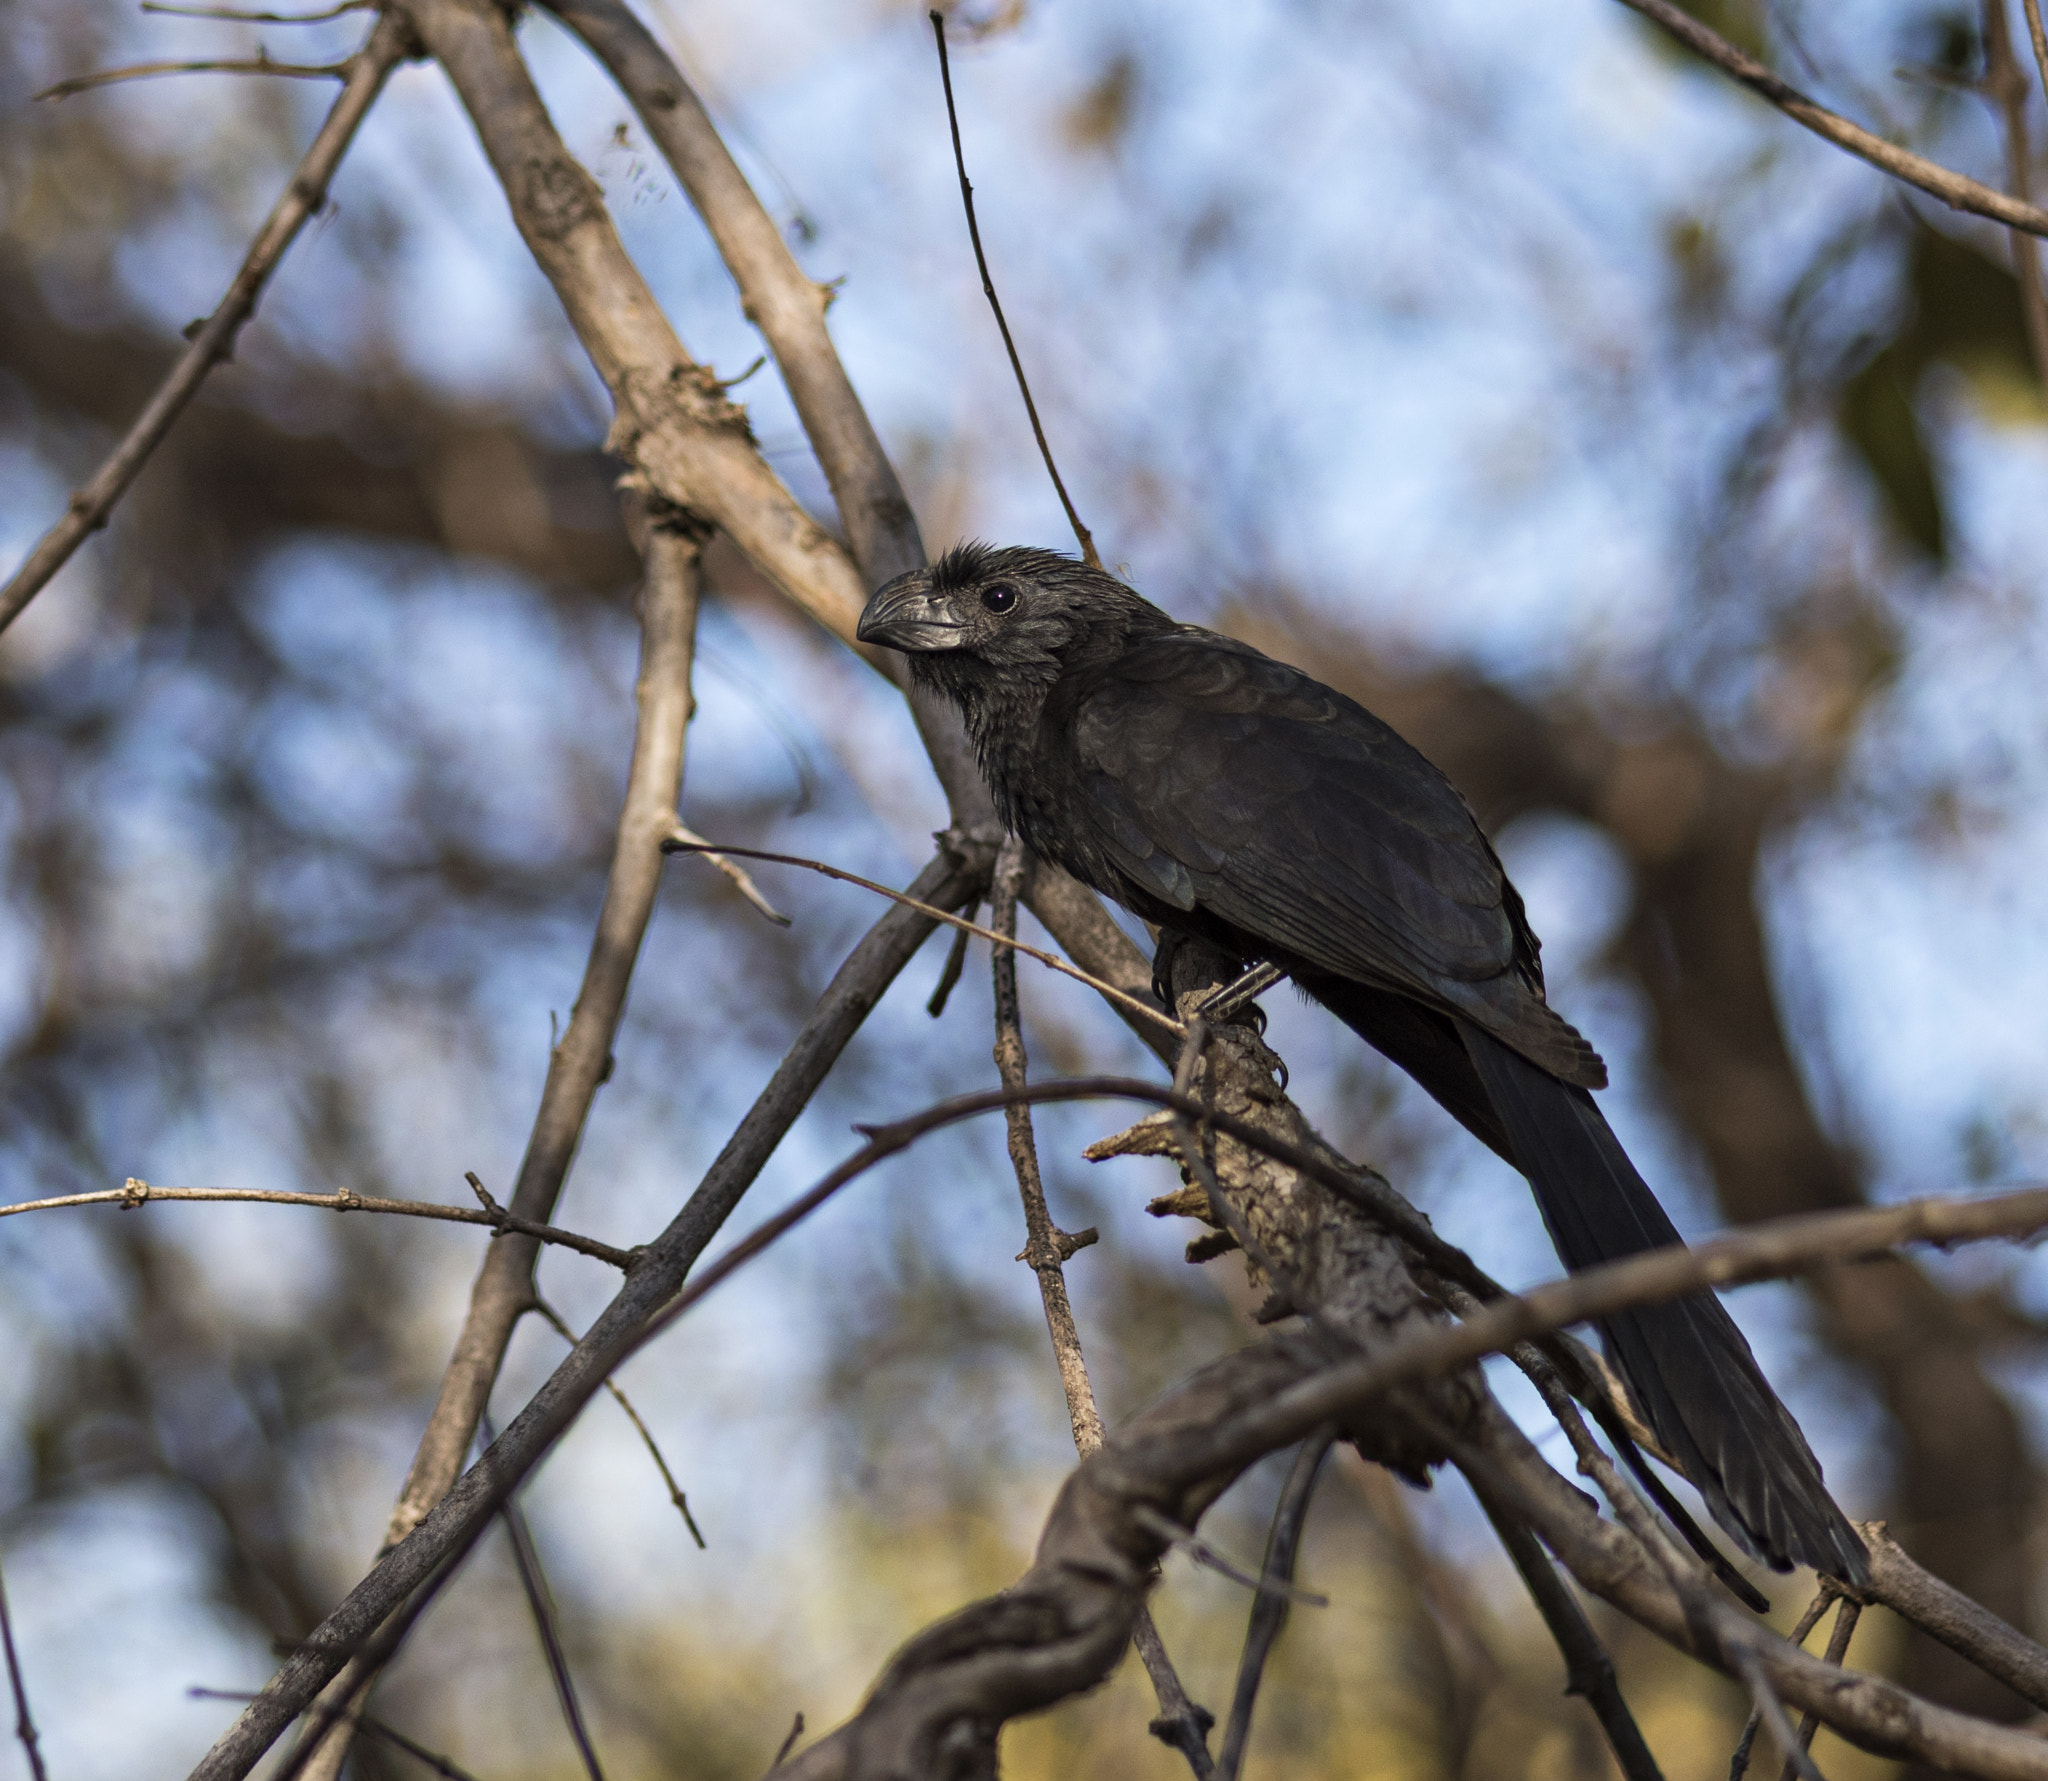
1216	775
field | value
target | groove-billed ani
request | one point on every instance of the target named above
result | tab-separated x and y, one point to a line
1221	794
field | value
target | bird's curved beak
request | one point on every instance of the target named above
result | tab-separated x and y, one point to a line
905	616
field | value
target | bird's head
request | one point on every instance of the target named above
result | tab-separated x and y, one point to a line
982	620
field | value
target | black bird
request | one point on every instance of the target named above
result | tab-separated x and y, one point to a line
1220	794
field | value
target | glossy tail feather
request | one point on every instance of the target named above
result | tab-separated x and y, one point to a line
1685	1363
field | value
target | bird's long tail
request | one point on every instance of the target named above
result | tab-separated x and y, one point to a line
1684	1361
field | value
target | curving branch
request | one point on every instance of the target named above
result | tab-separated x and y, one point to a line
1061	1626
389	43
1952	188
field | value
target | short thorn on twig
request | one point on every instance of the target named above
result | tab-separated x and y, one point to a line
1065	1246
490	1205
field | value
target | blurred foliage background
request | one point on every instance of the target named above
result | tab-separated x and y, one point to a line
1672	479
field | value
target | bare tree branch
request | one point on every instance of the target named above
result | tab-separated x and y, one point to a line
1965	1627
560	1325
24	1720
1047	1249
1938	181
139	1193
959	871
1738	1765
1588	1669
1269	1611
1133	1008
504	1289
388	44
1846	1616
540	1602
988	290
256	64
2007	87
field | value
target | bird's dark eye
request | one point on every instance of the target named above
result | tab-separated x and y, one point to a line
999	596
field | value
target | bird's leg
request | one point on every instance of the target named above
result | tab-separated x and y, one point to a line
1231	997
1185	961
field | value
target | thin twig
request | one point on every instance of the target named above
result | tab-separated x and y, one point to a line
258	18
1938	181
1269	1611
688	840
2039	37
949	974
675	1490
2006	87
387	45
142	1193
1846	1617
1738	1765
541	1602
1164	1527
369	1726
1771	1711
256	64
24	1720
1588	1667
1134	1004
1180	1723
988	290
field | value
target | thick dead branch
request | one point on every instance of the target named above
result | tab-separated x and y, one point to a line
937	1706
671	420
1938	181
389	43
780	299
777	296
